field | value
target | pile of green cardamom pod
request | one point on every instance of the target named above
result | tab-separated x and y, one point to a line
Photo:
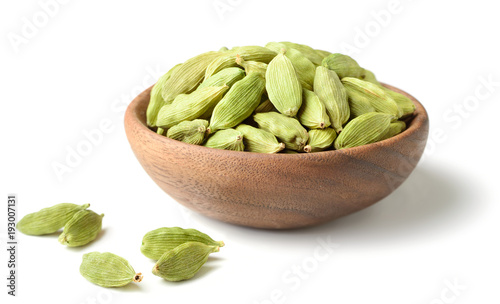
284	97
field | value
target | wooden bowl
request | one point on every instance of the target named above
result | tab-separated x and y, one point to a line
275	191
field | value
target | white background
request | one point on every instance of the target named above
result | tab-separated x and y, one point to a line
83	64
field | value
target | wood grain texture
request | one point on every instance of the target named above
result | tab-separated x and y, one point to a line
277	191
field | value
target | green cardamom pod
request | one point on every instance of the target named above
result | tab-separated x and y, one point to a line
156	242
287	129
312	113
283	86
191	132
184	261
320	139
108	270
370	77
248	53
239	102
81	229
227	77
258	140
265	106
305	69
344	66
228	139
359	102
223	49
365	129
252	66
160	131
307	51
323	54
48	220
364	91
331	92
404	103
188	76
190	106
394	129
156	101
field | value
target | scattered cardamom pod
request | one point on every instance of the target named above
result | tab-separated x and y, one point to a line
188	76
191	132
287	129
313	114
184	261
320	139
258	140
365	129
228	139
344	66
108	270
283	86
239	102
156	242
48	220
156	101
323	54
375	95
189	107
331	92
81	229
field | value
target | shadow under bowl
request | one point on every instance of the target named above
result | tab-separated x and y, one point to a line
276	191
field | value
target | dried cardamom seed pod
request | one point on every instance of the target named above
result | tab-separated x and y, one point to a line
265	106
370	77
160	131
344	66
320	139
228	139
156	101
239	103
312	113
287	129
365	129
331	92
189	107
183	262
307	51
191	132
48	220
81	229
364	91
252	66
156	242
359	102
323	54
248	53
258	140
304	68
283	86
108	270
394	129
404	103
227	77
188	76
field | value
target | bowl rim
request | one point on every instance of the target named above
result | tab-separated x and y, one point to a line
137	121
